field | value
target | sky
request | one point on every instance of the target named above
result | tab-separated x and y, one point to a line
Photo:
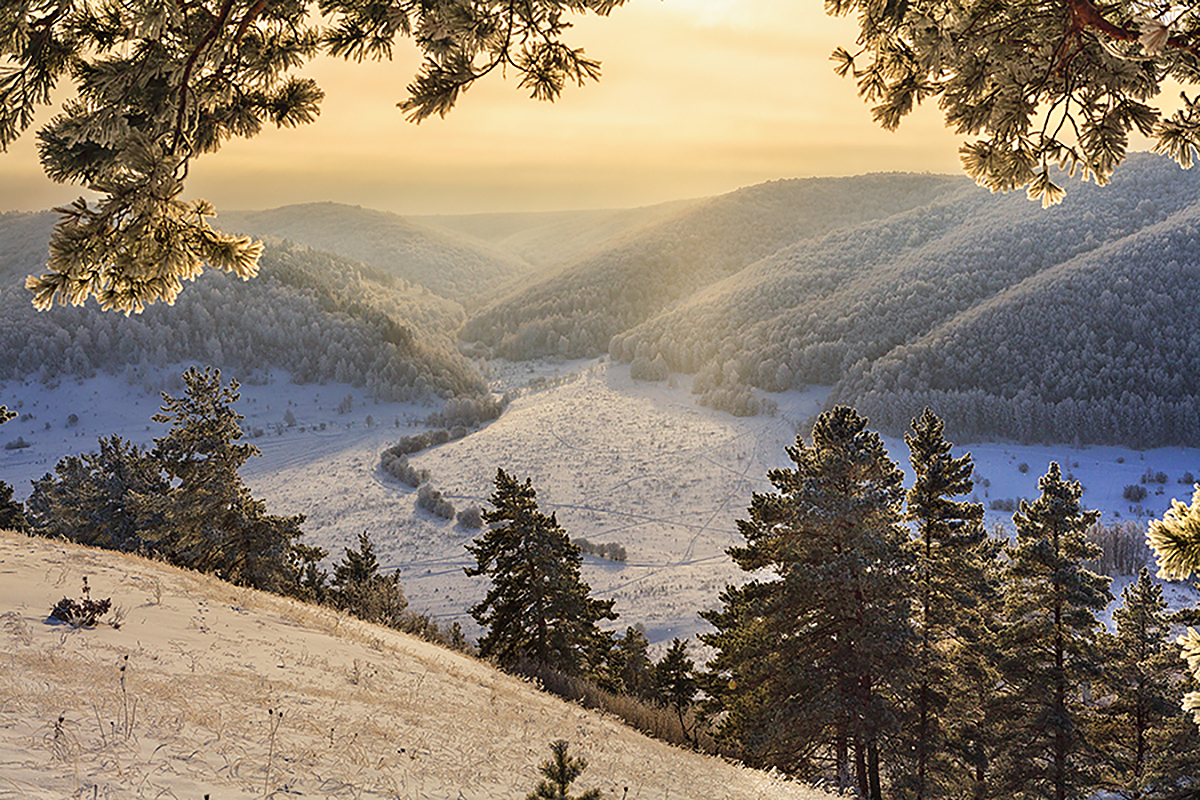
697	98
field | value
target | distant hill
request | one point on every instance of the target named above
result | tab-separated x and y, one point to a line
560	238
1075	323
578	311
450	264
318	316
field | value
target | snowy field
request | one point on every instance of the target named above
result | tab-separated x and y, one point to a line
619	461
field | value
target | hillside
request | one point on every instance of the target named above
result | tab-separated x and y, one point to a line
452	265
1067	324
319	317
207	689
576	313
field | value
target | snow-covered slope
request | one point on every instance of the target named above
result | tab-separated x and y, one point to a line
207	690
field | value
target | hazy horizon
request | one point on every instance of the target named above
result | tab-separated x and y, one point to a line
697	98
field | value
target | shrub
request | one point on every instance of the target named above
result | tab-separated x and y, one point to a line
18	443
468	412
396	464
415	444
1187	478
1004	504
612	551
432	501
1134	493
84	612
470	517
1022	468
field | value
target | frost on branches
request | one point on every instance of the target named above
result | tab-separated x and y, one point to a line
156	84
1039	83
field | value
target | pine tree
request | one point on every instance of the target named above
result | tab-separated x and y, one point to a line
6	415
100	499
559	773
1042	83
361	589
12	513
208	520
631	664
676	682
810	663
1176	542
950	613
1050	656
538	608
1137	679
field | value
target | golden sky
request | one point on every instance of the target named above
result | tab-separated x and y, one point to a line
698	97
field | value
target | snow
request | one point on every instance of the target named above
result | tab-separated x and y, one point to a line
617	460
211	690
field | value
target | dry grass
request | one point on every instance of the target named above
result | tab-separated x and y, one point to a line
237	694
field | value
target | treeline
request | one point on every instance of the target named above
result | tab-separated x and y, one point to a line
999	314
317	316
576	313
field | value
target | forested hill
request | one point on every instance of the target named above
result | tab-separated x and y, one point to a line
318	316
451	264
1074	323
578	311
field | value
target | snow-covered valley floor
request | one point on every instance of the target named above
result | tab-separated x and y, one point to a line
621	461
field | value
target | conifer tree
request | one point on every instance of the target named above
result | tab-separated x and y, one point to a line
676	681
6	415
1137	679
810	662
100	498
361	589
12	513
559	773
538	608
208	520
950	612
631	664
1050	655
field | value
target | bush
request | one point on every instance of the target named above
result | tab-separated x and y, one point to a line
468	412
396	464
432	501
1022	468
612	551
1150	476
84	612
1187	478
415	444
1004	504
470	517
18	443
1134	493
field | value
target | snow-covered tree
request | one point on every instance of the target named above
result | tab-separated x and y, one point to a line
1176	542
1041	83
